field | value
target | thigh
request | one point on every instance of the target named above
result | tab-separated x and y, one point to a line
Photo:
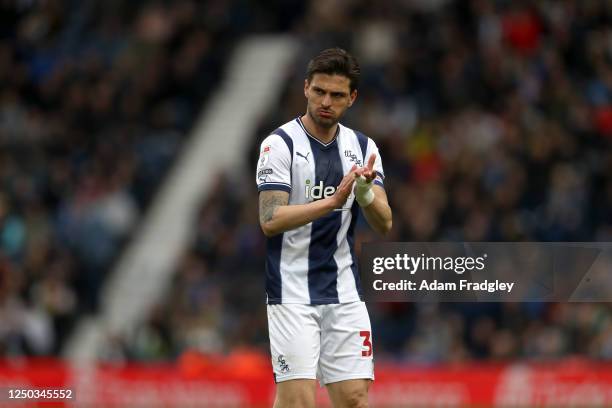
294	341
346	343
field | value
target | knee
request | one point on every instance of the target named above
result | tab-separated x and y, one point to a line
294	400
357	399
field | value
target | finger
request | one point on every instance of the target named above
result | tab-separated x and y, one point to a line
371	161
347	180
369	174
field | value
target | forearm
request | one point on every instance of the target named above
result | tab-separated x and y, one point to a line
276	216
288	217
378	213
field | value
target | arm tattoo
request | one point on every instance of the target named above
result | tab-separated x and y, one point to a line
269	201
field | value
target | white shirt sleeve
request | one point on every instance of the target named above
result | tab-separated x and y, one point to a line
274	165
378	167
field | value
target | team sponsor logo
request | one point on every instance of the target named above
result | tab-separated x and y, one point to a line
319	191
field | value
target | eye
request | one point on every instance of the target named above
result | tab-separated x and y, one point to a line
337	95
319	91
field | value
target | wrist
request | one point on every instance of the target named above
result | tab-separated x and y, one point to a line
363	192
365	199
331	203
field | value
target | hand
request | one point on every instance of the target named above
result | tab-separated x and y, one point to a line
345	188
363	187
368	170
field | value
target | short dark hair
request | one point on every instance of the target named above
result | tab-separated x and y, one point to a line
335	61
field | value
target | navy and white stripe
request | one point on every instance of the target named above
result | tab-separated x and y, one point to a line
315	263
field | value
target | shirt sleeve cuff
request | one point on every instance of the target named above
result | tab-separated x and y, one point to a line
274	186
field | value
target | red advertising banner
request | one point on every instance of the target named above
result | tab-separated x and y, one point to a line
244	380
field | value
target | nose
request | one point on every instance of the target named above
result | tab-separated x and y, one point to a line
326	102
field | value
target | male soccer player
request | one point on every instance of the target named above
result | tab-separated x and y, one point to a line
313	175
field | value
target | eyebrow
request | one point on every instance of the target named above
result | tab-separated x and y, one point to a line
340	93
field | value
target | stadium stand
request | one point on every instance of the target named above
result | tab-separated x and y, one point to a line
494	120
491	117
95	100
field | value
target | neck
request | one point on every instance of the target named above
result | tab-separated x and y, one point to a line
323	134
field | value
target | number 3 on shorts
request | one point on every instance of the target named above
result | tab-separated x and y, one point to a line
366	343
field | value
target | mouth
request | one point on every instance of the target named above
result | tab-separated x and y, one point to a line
325	114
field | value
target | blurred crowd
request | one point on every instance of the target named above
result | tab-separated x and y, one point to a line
494	120
95	98
493	117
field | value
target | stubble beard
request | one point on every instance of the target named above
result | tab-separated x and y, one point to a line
321	122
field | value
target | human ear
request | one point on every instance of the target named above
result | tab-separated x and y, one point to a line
352	97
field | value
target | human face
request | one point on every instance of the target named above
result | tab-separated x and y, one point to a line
328	96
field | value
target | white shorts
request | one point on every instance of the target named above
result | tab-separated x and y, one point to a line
329	342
